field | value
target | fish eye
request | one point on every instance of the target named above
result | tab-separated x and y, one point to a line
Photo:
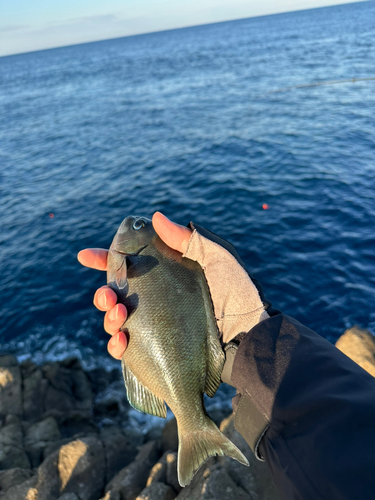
138	224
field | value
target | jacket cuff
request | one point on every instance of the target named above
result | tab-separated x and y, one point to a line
248	420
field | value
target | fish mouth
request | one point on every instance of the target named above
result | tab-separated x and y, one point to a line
129	254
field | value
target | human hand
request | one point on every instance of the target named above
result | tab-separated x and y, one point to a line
237	304
105	299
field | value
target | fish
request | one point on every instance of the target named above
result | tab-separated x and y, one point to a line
174	354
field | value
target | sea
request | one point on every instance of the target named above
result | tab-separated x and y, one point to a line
260	129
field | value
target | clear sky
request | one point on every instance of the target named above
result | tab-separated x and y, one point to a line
28	25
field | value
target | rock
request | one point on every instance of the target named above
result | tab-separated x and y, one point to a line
55	445
131	480
154	432
68	388
100	378
219	414
158	473
359	345
112	495
11	445
13	477
119	451
34	392
38	436
81	468
10	386
172	478
71	362
198	480
73	422
112	402
256	480
170	435
68	496
150	452
24	491
8	360
157	491
213	484
77	467
48	484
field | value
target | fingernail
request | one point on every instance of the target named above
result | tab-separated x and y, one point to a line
115	339
103	299
113	314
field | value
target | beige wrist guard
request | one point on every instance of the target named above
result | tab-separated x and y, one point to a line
237	304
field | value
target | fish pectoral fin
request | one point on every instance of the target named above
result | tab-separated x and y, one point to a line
215	364
122	275
140	397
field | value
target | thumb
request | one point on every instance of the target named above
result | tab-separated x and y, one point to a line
174	235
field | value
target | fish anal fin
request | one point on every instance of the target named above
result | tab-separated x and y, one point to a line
141	398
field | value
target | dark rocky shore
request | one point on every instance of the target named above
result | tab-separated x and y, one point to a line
65	435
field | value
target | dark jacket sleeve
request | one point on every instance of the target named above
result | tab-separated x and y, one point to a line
317	408
303	406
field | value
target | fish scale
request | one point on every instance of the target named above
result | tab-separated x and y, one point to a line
174	355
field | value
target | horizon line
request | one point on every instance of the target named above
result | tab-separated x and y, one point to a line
182	28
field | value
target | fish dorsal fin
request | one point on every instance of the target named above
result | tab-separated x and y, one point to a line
215	353
215	363
140	397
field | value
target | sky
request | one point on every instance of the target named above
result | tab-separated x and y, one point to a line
29	25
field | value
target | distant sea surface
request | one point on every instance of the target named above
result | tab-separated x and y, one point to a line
202	124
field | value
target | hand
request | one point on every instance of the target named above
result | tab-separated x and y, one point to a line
105	299
236	301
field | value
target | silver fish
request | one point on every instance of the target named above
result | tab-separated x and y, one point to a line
174	354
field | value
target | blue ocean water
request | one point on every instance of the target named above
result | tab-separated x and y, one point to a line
191	122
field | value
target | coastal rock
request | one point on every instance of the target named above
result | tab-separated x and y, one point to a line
359	345
256	480
34	392
131	480
157	491
24	491
75	422
149	452
10	386
119	451
170	435
12	454
158	473
100	379
38	436
81	468
48	483
172	478
77	467
111	495
55	445
13	477
68	496
68	387
213	483
112	402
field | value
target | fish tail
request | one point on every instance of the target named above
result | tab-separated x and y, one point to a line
195	447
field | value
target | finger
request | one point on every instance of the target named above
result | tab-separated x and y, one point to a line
105	298
115	318
94	257
117	345
174	235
